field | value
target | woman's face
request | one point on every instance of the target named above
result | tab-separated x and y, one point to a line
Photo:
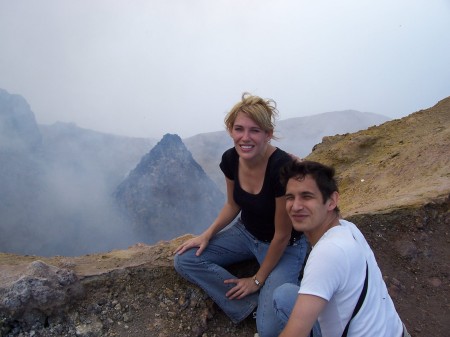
249	139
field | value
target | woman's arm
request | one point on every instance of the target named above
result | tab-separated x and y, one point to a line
229	211
283	229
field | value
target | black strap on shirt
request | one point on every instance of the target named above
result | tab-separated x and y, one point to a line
360	301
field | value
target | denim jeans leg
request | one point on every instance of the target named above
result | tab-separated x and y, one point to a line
284	298
207	270
286	271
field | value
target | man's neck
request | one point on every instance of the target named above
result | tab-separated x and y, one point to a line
314	236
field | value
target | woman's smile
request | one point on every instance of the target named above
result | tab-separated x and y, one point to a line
247	147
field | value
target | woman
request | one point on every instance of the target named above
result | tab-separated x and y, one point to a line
263	230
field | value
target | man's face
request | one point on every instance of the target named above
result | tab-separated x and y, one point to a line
305	206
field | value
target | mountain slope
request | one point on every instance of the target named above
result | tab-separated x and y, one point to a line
399	163
55	186
168	193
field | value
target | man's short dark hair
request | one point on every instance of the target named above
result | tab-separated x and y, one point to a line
323	176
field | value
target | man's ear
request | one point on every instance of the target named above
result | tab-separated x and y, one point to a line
333	201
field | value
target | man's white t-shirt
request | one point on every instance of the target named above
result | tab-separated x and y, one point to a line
335	271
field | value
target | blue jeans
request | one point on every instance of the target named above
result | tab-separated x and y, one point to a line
284	298
232	245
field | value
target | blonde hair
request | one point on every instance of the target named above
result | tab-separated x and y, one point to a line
262	112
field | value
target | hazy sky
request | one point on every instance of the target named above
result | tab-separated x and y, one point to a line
148	67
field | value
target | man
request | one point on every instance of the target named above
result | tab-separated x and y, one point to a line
335	273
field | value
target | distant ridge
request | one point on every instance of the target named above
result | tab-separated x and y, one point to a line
18	129
298	135
295	135
111	155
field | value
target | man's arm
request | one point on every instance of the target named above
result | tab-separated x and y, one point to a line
303	316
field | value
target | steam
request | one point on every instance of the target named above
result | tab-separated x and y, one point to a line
61	208
56	196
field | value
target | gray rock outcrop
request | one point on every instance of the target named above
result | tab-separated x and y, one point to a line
41	291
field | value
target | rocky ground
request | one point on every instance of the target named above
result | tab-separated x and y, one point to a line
133	292
395	185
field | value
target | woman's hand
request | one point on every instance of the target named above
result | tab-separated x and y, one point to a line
200	241
243	287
